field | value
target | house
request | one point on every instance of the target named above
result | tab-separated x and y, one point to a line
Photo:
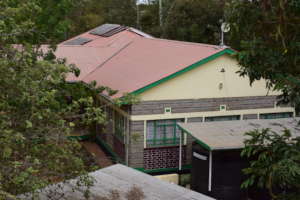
175	81
217	164
116	182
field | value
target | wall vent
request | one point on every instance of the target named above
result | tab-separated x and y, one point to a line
223	107
168	110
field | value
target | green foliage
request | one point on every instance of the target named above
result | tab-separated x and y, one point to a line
38	108
195	21
34	122
88	14
34	21
267	36
274	163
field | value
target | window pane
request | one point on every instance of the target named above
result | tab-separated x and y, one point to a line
150	130
222	118
276	115
160	132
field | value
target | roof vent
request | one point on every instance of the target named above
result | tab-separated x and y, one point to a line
78	41
107	30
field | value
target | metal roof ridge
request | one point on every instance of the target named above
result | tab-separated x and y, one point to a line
139	32
189	43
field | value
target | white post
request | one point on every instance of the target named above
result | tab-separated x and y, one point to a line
210	171
222	38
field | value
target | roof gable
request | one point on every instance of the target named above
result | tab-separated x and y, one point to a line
188	68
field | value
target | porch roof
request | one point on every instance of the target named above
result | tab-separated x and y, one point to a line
230	134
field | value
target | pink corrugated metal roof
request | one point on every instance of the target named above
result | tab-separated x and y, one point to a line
127	61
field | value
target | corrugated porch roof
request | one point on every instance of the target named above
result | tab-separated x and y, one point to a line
230	134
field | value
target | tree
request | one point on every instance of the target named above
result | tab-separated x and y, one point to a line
274	163
266	34
120	12
194	20
88	14
38	107
85	15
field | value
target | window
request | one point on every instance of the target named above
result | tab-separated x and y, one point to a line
222	118
276	115
163	132
120	126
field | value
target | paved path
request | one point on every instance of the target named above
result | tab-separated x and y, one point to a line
101	158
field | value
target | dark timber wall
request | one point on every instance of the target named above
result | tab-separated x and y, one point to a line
227	175
203	105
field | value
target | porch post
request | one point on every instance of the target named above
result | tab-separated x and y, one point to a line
180	150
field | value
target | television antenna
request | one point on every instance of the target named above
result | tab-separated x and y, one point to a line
225	28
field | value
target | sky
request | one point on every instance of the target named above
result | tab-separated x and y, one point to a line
141	1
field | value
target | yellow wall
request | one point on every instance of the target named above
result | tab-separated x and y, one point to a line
170	178
204	82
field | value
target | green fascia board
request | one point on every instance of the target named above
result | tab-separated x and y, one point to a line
193	66
163	170
197	140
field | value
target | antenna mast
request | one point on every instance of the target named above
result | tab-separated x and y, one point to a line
225	27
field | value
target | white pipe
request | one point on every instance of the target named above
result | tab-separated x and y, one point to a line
160	13
210	171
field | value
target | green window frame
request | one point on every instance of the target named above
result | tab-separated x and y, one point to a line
163	133
276	115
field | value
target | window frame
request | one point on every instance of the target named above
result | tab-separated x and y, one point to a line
163	140
223	118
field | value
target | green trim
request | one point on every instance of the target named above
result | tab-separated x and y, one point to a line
184	167
79	137
197	140
110	150
188	68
